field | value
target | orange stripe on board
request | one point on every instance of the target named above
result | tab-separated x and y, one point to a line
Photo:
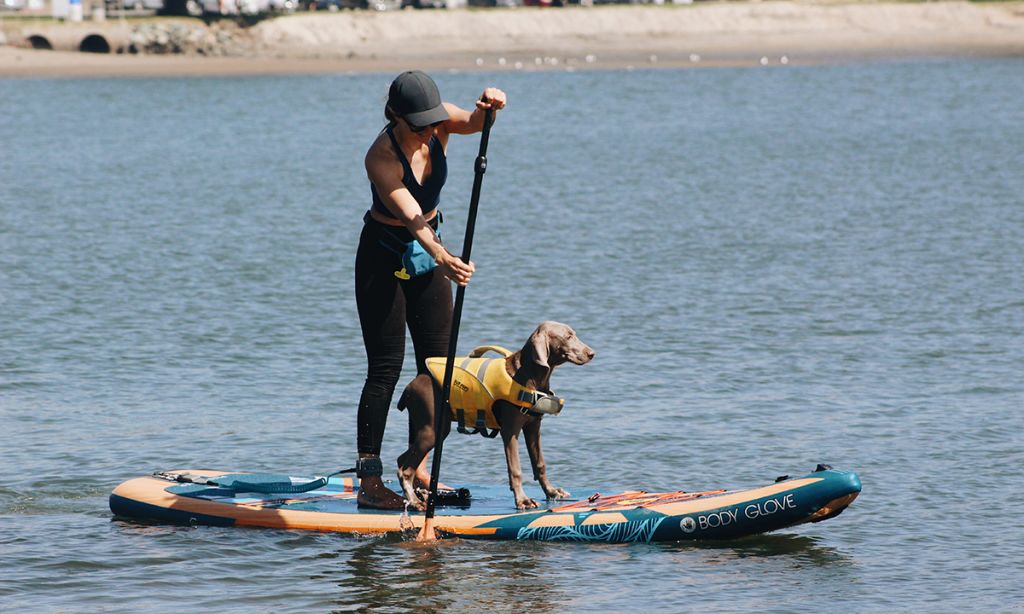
154	492
554	520
727	500
604	518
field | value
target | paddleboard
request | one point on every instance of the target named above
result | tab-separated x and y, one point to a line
189	496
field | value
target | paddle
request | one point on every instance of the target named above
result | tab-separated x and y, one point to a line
442	411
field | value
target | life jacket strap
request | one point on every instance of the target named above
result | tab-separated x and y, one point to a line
527	396
460	415
479	427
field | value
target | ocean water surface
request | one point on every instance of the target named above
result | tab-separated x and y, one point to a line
777	267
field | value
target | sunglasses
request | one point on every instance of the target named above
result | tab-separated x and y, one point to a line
418	129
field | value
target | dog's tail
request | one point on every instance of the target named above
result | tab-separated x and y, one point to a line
403	402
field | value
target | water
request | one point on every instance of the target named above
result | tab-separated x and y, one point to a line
777	267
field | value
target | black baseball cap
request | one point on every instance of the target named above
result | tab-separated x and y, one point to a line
414	96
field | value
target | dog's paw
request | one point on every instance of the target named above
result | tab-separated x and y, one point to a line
417	504
558	493
525	503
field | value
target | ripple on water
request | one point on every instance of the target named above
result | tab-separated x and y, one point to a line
829	279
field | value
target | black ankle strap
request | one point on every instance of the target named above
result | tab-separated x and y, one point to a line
367	467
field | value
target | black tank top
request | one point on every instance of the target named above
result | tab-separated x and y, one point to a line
427	195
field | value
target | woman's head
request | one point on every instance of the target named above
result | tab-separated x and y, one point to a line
414	98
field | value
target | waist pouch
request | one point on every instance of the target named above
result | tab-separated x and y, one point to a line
415	260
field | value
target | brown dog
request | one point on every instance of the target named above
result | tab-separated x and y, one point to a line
550	345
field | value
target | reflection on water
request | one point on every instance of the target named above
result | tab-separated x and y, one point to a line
799	548
452	575
457	574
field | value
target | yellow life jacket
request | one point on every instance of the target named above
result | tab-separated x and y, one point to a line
477	382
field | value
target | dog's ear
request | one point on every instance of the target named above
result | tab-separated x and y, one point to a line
536	352
538	345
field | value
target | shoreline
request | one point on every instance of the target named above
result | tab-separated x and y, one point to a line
612	37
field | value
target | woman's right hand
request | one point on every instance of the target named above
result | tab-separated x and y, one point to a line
454	268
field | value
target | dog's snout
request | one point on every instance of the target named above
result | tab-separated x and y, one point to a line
581	354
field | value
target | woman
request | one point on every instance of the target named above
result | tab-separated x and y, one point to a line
407	168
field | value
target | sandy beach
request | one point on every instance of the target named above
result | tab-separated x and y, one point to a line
704	34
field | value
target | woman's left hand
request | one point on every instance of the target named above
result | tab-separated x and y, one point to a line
492	98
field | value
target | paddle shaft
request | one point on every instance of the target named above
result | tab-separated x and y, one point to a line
442	406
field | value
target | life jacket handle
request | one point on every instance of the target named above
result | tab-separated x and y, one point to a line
497	349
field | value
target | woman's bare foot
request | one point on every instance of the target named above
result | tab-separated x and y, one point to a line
374	494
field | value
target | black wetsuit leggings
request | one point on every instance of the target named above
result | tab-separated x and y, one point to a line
386	305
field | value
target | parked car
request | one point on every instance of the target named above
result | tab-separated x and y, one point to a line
193	8
198	8
497	3
439	4
323	5
337	5
259	7
135	5
384	5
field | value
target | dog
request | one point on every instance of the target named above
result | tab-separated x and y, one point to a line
550	345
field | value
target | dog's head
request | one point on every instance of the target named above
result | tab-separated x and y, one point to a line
552	344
